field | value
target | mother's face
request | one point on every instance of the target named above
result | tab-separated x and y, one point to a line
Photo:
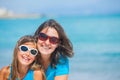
48	45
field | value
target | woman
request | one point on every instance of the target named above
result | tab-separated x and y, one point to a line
54	48
23	66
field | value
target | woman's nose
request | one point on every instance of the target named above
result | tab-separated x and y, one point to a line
47	41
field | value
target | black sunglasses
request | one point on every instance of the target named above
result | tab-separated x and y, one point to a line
24	48
44	37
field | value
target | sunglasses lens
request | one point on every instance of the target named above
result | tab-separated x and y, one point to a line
43	36
54	40
33	52
23	48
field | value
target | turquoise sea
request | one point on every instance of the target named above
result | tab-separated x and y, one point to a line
96	42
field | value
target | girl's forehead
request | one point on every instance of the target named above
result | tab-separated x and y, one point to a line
30	44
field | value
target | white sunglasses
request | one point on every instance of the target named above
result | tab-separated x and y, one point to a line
25	48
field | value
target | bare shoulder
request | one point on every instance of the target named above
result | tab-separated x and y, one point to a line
4	69
39	75
4	72
37	72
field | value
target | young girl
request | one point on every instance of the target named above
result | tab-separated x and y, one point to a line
24	65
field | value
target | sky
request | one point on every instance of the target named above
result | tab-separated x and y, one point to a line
62	7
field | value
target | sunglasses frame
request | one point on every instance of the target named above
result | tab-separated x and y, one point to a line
28	49
49	37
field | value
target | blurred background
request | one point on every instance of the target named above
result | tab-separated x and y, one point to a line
93	27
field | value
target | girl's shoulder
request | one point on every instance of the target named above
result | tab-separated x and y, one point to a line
5	69
4	72
39	74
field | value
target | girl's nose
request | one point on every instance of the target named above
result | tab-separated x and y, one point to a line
27	53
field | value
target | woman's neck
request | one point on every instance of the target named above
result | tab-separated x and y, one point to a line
45	61
45	58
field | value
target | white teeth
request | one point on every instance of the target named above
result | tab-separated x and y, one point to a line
26	59
45	47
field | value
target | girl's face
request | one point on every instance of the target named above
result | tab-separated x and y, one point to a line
24	53
48	45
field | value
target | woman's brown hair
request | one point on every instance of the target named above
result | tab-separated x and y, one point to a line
64	48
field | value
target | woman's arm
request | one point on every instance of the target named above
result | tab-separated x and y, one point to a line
62	70
62	77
